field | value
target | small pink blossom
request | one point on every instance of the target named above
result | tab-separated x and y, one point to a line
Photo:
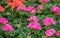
58	33
58	12
50	32
40	7
21	8
31	9
54	8
7	27
48	21
32	19
44	1
34	26
3	21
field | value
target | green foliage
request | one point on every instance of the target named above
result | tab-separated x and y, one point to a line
19	23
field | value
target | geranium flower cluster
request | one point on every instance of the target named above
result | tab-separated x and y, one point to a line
58	33
40	7
3	21
31	9
48	21
5	25
21	8
15	3
34	26
33	20
50	32
56	10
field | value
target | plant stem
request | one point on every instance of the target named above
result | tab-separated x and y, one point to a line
0	16
21	15
8	35
43	36
12	12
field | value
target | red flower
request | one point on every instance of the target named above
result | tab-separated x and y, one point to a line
1	9
15	3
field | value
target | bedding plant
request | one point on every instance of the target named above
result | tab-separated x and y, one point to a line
29	18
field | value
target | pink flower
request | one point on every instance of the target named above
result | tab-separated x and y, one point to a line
3	21
32	19
7	27
50	32
34	26
40	7
48	21
58	33
31	9
21	8
58	11
44	1
54	8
